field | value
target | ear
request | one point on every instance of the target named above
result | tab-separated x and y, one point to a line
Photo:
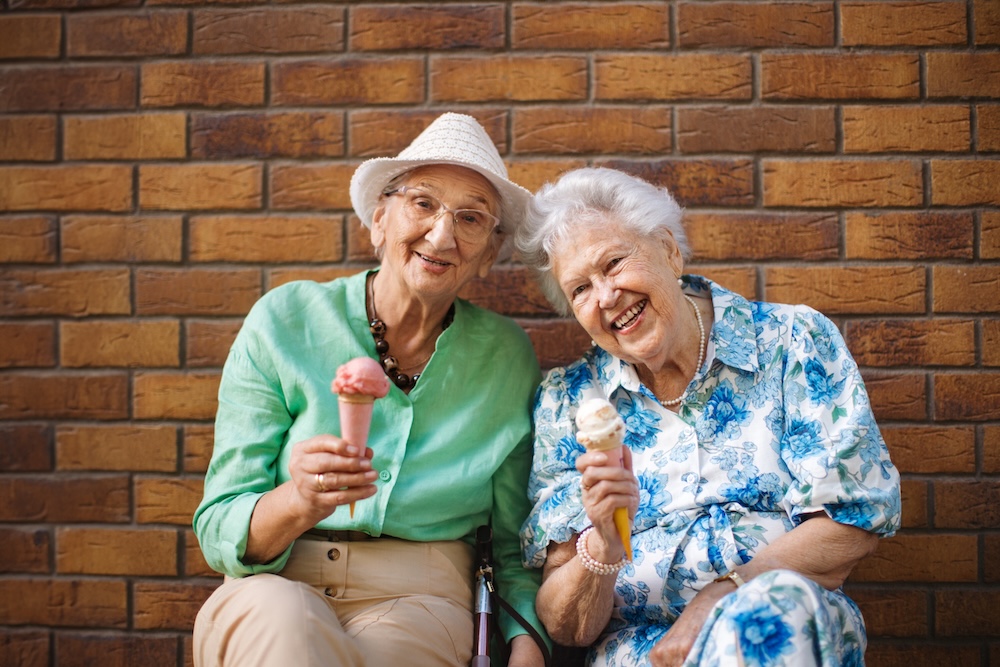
378	228
674	258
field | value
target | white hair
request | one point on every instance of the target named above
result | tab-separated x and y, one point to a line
593	196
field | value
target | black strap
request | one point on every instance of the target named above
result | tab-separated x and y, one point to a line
524	624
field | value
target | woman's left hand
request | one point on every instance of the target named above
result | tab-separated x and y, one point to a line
524	652
676	644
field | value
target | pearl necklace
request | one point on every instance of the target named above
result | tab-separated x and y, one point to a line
378	329
701	348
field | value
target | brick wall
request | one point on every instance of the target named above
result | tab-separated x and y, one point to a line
164	163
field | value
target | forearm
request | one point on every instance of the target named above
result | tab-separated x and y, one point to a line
820	548
276	521
574	603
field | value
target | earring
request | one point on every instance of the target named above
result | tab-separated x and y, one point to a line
680	281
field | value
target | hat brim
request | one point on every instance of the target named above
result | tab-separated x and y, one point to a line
371	177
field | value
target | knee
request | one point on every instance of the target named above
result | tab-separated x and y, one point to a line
261	601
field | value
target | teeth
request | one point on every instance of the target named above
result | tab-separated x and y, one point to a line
432	261
629	314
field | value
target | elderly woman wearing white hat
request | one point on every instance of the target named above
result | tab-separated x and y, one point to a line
390	582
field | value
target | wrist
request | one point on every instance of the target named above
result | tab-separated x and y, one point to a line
589	562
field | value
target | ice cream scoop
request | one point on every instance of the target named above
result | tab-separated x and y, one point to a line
601	429
357	384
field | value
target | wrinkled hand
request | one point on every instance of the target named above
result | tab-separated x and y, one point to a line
676	644
605	488
345	471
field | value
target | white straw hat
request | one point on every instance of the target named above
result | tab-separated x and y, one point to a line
451	139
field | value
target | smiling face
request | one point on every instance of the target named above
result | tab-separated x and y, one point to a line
427	258
623	290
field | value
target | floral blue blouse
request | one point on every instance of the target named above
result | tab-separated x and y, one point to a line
775	425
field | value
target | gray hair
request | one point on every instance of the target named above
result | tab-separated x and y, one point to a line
593	196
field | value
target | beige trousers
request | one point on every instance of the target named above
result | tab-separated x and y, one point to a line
380	603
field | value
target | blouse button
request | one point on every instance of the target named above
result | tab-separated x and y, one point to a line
329	592
385	475
333	554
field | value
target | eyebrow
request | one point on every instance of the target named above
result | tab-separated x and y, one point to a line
424	185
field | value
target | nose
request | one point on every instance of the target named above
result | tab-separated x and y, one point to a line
442	232
607	294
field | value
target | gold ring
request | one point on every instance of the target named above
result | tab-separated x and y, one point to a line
319	482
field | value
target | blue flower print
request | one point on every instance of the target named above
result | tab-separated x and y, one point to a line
653	497
823	389
763	635
803	439
724	414
641	425
578	377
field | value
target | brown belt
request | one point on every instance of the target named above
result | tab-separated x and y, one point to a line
337	535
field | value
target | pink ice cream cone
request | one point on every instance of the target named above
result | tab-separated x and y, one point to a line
358	383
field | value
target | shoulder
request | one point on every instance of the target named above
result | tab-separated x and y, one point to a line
500	330
297	300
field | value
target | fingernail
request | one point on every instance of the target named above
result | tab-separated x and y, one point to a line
365	463
352	450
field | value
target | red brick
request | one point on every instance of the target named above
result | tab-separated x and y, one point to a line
503	78
26	36
25	552
739	279
185	187
588	27
914	502
272	30
967	396
25	448
988	125
896	129
533	174
932	449
427	27
146	238
46	396
921	558
672	77
991	558
705	182
720	236
987	15
119	343
74	293
196	291
359	242
912	653
27	138
909	235
158	33
844	290
168	606
966	289
27	345
965	182
966	613
276	277
71	4
274	238
194	561
310	187
202	84
184	396
913	342
557	342
756	129
85	603
892	613
125	137
901	396
989	237
129	448
348	82
198	443
64	499
729	25
846	76
591	129
966	504
115	650
66	188
27	239
383	133
207	342
991	342
963	74
259	135
167	499
116	551
511	291
842	183
24	648
68	88
903	24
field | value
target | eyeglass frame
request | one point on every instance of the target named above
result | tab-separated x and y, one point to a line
442	209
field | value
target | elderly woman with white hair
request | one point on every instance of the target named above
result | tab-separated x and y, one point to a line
337	553
754	474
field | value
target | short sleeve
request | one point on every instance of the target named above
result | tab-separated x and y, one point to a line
831	444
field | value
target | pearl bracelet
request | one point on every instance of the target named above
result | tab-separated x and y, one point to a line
588	561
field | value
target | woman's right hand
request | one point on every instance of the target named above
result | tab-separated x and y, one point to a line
605	487
328	472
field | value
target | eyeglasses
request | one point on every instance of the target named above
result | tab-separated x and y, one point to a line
422	208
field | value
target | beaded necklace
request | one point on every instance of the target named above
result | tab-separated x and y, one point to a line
701	348
378	329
